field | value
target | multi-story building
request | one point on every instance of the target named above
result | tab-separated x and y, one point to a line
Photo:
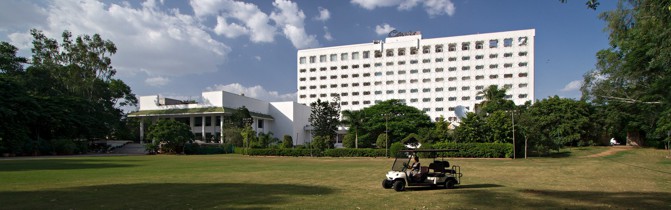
437	75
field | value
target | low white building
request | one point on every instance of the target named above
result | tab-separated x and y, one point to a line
206	117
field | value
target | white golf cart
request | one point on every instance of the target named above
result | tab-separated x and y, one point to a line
437	173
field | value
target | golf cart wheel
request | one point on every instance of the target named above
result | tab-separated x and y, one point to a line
449	184
386	184
399	185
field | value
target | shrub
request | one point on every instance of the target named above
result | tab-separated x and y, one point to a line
320	142
172	134
287	142
395	147
350	152
381	140
348	140
477	150
205	149
284	152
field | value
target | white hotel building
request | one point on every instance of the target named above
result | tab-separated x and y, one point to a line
437	75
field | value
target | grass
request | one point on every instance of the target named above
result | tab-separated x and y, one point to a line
633	179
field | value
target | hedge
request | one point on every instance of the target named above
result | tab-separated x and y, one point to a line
477	150
203	149
284	152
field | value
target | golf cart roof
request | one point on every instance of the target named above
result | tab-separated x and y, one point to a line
428	150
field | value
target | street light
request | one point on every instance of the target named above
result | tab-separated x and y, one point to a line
386	131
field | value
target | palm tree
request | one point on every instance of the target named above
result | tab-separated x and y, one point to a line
491	94
354	120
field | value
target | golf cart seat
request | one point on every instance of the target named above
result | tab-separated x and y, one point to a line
437	169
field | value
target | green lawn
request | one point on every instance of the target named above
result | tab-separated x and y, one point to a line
639	179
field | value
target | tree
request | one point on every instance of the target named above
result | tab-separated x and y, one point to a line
592	4
287	142
382	141
494	100
324	119
393	116
354	119
632	77
173	135
473	128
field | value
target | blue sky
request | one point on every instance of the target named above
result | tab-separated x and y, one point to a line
181	48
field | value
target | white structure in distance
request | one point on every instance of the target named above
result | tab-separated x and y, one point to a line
440	76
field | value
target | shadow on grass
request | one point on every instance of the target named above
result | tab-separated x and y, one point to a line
440	187
535	199
478	186
165	196
61	164
562	154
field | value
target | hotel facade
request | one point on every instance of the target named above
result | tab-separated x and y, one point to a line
440	76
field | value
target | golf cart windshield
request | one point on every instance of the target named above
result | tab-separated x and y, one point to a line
401	163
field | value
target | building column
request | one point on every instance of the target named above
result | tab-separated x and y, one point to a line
141	130
202	128
221	129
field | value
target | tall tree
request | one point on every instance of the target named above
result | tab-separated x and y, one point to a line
324	118
394	117
354	120
632	77
494	99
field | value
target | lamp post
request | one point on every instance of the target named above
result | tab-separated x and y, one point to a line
386	135
247	121
514	146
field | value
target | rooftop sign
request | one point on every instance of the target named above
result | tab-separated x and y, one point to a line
396	33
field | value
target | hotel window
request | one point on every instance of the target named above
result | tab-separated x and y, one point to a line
378	73
366	102
343	103
302	79
494	66
378	83
322	78
312	87
452	98
494	43
479	67
389	73
334	68
390	92
334	76
465	98
355	56
522	75
426	100
344	76
390	63
302	60
355	93
401	91
522	53
507	55
465	88
479	45
334	85
344	67
366	65
414	71
450	109
413	61
439	109
302	70
401	51
440	79
313	78
355	102
465	46
479	87
479	98
355	66
344	85
366	54
479	57
522	85
426	70
366	74
508	96
438	60
522	64
401	82
343	56
452	69
334	94
377	92
355	84
414	90
451	79
413	81
390	52
426	61
452	88
439	89
426	49
439	99
439	69
426	80
313	95
426	90
522	40
401	62
366	84
479	77
303	88
522	95
507	65
493	76
365	93
493	55
355	75
413	100
452	59
302	96
389	82
313	59
378	54
378	64
322	69
413	50
322	58
439	48
401	72
323	95
508	76
465	68
344	94
465	58
508	86
508	42
452	47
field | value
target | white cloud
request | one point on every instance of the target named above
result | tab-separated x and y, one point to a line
384	29
257	92
432	7
256	23
327	34
158	43
258	58
157	81
290	18
229	30
572	86
21	40
324	14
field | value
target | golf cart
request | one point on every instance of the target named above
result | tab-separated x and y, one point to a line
437	173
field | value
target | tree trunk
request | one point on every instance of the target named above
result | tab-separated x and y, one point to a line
634	138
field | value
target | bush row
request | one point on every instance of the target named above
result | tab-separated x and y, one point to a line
206	149
477	150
